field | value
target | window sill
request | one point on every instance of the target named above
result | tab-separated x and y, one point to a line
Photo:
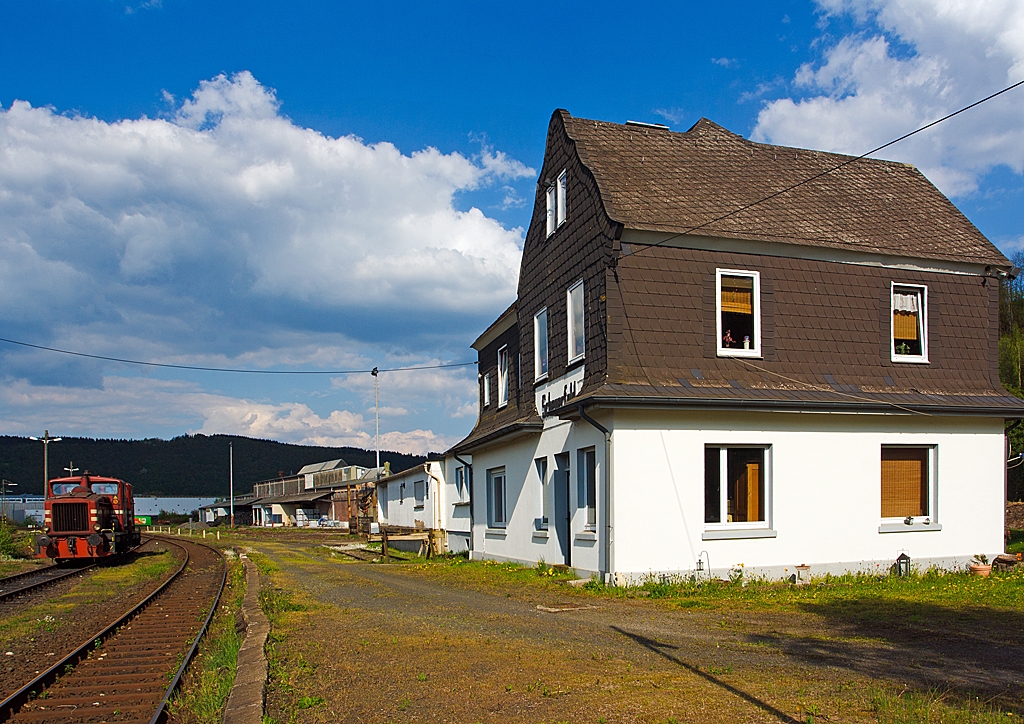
575	361
902	527
736	533
540	534
587	535
502	405
460	503
542	378
495	532
752	353
910	360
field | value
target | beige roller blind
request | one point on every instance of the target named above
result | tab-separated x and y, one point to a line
904	325
904	481
738	295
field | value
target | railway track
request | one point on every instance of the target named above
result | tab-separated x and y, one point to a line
22	583
128	671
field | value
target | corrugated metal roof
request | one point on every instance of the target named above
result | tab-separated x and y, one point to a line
321	467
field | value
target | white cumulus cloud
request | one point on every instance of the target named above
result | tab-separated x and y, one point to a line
907	63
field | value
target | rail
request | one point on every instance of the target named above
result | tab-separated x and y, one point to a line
49	574
13	703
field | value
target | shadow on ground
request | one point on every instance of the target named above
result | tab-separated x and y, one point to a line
963	652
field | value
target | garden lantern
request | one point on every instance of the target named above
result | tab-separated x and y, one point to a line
903	565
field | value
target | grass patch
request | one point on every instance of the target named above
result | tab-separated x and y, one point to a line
204	693
909	707
1016	542
955	590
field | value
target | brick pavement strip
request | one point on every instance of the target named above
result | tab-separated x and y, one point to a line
245	703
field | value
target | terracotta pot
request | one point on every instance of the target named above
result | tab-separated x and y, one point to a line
980	570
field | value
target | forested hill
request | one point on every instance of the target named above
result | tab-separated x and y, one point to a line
191	465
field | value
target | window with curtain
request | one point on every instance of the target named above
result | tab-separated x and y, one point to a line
541	464
739	313
503	385
577	339
497	515
909	341
905	481
586	470
540	344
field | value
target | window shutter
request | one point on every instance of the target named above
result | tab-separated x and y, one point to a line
904	482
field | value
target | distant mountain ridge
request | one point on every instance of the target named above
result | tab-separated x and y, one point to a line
190	465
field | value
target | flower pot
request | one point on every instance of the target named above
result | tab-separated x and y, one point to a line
980	570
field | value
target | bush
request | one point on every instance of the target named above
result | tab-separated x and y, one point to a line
8	544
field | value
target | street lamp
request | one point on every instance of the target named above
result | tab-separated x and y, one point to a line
46	440
4	484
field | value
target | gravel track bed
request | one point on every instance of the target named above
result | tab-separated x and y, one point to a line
31	655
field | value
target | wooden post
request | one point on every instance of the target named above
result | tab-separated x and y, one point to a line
384	543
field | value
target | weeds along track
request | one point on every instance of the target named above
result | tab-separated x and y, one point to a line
127	671
22	583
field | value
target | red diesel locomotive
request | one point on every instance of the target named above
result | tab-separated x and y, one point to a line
87	517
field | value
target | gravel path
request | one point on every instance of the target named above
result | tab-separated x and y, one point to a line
390	643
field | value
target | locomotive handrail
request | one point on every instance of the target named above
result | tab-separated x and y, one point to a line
14	702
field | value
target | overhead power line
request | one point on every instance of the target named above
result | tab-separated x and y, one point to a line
845	163
233	369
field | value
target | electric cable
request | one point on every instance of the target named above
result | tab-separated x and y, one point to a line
234	369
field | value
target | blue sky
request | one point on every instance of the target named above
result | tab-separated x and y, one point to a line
338	186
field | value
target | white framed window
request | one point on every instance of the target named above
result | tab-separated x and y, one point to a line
460	482
737	486
738	313
556	203
418	491
485	385
586	478
574	307
503	376
552	197
908	483
561	211
540	344
543	490
497	514
909	337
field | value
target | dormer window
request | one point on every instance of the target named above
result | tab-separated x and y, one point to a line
485	385
909	323
556	197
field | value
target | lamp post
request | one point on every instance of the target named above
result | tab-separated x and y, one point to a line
4	484
46	440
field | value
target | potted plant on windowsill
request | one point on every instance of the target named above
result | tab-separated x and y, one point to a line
980	566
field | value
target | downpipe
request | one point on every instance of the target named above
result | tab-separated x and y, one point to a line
607	574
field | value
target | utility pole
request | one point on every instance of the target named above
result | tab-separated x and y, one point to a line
46	440
376	416
71	469
231	480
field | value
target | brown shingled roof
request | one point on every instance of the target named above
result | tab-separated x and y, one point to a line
658	180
